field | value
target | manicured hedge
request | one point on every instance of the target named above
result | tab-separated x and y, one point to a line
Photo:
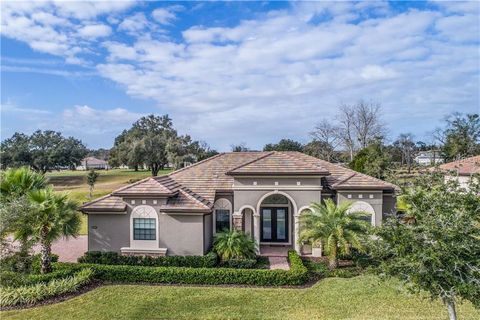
113	258
297	275
31	294
239	263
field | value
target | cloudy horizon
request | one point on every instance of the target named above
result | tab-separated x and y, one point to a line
226	73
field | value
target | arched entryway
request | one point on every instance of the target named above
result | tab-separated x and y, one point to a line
274	221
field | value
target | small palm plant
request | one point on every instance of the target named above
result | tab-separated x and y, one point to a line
337	229
234	245
54	216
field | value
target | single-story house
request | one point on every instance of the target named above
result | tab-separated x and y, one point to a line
462	170
93	163
428	158
260	193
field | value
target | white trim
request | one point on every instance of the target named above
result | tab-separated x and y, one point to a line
301	209
162	251
279	187
247	206
368	208
290	216
148	212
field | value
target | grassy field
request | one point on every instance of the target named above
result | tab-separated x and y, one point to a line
75	183
363	297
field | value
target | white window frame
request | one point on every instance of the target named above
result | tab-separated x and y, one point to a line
144	211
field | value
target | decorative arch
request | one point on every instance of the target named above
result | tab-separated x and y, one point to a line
289	197
144	212
302	209
247	206
363	207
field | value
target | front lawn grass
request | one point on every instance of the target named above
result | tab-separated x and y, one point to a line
362	297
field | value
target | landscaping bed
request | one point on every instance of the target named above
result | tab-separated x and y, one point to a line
297	275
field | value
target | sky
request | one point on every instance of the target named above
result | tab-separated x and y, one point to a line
232	72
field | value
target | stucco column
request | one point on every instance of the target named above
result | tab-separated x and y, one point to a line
296	232
237	221
256	230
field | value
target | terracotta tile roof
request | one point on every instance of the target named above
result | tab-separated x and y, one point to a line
465	166
195	186
145	187
186	201
106	203
279	163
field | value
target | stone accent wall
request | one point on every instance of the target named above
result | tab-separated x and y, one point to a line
238	221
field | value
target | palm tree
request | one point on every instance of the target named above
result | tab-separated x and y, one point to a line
14	187
18	182
337	229
54	216
234	245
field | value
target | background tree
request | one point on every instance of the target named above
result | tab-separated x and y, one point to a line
374	160
407	149
284	145
42	151
152	141
436	247
54	216
241	147
326	140
355	127
335	227
91	180
461	137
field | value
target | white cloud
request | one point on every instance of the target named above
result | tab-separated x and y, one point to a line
288	67
95	31
167	15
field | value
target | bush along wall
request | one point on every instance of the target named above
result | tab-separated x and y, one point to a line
297	275
113	258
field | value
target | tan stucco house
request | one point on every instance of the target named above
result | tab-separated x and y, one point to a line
261	193
462	170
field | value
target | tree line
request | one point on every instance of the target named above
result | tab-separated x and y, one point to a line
356	135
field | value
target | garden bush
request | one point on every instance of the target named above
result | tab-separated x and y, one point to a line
297	275
31	294
239	263
11	279
113	258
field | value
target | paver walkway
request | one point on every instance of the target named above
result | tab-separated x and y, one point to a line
278	263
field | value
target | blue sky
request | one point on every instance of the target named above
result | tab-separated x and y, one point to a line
231	72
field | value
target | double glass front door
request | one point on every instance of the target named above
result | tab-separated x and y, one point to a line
274	224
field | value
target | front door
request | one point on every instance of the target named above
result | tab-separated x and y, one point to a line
274	224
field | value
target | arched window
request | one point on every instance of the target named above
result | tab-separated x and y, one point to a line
222	215
362	206
144	224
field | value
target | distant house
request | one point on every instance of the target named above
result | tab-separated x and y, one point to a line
462	169
428	158
93	163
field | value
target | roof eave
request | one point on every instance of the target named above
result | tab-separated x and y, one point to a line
289	174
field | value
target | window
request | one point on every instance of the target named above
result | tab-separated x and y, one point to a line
144	229
222	218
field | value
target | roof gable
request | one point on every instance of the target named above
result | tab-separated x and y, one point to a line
465	166
145	187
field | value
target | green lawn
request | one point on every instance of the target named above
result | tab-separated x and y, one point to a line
75	184
363	297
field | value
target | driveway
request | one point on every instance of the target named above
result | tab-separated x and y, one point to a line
68	250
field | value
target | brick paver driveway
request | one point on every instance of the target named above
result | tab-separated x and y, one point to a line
68	250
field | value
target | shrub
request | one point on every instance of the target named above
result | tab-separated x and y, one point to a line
113	258
37	263
239	263
11	279
17	262
234	245
297	275
34	293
